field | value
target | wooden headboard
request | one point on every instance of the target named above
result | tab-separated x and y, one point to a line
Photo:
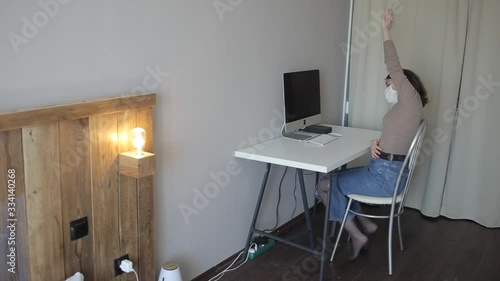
59	164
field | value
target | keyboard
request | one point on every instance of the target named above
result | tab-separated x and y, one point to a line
322	139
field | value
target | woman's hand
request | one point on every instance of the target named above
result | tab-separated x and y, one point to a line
387	22
375	149
388	19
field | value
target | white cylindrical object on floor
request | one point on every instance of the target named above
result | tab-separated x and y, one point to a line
77	277
170	272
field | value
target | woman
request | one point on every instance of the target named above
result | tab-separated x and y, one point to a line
400	124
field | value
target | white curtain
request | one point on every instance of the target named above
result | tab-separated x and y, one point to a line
472	189
432	39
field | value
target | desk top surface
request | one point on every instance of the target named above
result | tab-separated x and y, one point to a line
312	157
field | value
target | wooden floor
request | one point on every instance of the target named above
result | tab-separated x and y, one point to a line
435	250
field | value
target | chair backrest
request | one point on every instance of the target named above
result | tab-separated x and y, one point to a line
409	166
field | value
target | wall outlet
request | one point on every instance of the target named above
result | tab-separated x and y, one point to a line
118	261
79	228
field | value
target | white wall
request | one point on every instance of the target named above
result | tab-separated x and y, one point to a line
222	90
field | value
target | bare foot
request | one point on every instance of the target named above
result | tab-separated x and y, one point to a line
356	245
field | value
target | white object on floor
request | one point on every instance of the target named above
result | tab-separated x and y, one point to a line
170	272
77	277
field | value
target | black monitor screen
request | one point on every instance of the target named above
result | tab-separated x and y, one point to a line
302	96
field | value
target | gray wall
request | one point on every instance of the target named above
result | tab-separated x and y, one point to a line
218	75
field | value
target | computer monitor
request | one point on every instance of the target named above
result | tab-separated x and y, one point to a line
301	99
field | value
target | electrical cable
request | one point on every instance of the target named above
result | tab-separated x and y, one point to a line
279	200
136	276
228	269
295	189
294	195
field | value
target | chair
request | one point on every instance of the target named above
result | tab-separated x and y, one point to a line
396	201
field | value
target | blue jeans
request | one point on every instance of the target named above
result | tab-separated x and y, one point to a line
378	178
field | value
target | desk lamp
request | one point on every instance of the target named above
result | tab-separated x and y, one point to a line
170	272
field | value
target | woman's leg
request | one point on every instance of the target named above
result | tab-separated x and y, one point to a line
358	181
368	226
322	189
337	210
358	239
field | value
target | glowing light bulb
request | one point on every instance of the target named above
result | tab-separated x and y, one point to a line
138	139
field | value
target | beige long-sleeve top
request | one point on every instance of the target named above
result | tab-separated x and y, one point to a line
401	123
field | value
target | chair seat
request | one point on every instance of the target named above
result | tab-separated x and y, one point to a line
374	199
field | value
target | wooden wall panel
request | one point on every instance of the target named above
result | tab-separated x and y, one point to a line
146	206
66	165
76	195
43	201
11	157
128	196
104	152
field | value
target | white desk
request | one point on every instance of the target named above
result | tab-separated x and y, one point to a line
312	157
306	156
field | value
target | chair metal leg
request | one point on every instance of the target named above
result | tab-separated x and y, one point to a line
391	221
341	228
400	234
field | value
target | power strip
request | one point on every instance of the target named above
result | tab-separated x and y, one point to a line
262	248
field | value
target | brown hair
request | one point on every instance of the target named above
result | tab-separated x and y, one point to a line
417	84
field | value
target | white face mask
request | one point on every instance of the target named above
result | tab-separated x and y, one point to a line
391	95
